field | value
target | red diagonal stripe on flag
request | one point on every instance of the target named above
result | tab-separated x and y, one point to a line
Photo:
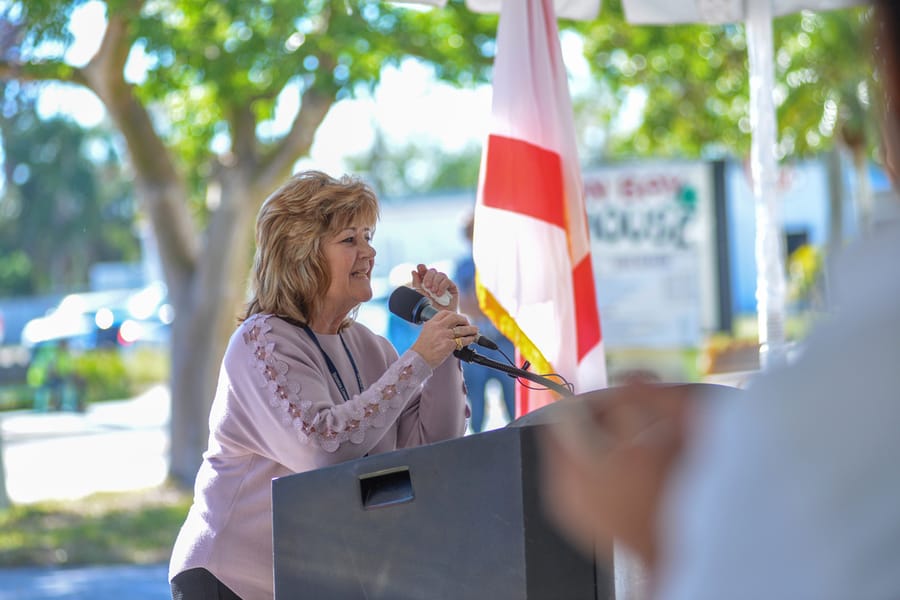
524	178
586	314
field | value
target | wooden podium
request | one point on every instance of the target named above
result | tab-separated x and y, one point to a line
455	520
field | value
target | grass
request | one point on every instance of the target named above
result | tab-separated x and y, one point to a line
109	528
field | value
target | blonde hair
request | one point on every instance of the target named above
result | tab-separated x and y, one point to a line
290	274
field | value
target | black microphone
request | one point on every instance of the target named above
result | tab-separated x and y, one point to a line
410	305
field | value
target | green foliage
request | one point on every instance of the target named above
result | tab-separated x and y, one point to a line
146	366
103	375
134	528
696	85
15	273
62	179
458	170
215	102
50	20
412	168
100	374
206	63
16	397
114	374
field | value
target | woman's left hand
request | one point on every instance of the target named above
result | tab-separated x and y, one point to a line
439	288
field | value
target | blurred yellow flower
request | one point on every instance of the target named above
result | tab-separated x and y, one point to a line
804	268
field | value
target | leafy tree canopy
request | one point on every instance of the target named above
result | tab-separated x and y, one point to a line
694	79
212	68
192	89
66	181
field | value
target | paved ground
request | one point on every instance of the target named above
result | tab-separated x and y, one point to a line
114	446
87	583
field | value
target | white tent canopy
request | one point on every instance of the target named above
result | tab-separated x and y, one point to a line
717	11
581	10
666	11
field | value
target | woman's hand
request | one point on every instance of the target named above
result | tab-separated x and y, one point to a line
441	335
434	284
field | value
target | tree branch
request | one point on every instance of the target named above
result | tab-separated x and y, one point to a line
46	70
161	188
277	164
243	130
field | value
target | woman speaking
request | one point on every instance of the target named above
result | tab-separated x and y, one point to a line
302	385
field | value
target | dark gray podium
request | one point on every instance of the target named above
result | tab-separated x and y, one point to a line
456	520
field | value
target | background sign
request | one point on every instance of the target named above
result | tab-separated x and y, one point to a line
654	250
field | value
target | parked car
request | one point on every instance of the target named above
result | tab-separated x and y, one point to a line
148	316
104	319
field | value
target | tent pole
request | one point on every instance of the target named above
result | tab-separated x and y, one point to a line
770	279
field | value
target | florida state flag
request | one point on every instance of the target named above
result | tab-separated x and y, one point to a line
531	242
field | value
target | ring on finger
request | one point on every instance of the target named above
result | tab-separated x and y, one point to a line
459	344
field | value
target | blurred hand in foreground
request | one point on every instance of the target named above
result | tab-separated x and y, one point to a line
605	464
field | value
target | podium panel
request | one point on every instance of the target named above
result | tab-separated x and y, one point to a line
455	520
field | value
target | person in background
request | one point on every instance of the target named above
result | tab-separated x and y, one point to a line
302	385
792	492
53	376
478	376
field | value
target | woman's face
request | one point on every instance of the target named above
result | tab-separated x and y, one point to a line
350	258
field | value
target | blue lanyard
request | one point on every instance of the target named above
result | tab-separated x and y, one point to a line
332	369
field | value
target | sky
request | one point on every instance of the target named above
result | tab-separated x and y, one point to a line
443	115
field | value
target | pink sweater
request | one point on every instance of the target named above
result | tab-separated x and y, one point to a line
277	411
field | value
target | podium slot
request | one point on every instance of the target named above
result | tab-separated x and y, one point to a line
386	488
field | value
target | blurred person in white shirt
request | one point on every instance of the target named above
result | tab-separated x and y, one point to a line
791	492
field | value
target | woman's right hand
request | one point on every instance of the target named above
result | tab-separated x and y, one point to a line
441	335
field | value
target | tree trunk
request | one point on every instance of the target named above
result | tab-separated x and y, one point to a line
206	277
192	383
835	202
864	200
205	319
4	497
835	241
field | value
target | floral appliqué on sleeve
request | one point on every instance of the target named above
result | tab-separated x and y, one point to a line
327	427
